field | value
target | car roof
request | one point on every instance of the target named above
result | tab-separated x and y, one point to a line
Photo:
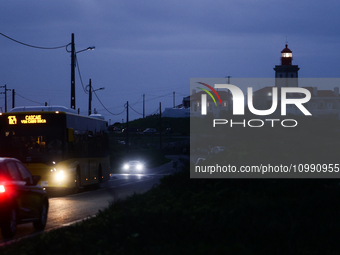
3	159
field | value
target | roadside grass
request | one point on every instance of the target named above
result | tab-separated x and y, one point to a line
201	216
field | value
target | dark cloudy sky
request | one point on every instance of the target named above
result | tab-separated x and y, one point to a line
155	47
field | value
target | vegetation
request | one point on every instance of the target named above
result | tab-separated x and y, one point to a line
191	216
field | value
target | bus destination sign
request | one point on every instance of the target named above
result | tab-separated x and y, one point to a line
29	119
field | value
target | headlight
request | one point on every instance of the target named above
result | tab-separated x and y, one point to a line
126	167
139	167
60	175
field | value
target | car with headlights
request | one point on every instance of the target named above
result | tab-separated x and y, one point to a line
134	166
22	200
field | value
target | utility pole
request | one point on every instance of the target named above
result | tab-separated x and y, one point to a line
90	96
5	98
91	90
13	98
127	124
160	126
143	106
5	95
174	99
73	67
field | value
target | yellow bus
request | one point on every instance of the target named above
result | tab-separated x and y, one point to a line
66	149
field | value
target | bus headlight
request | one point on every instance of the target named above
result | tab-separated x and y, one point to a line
60	175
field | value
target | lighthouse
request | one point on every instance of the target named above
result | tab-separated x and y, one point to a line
286	74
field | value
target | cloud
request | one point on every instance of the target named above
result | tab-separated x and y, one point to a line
144	46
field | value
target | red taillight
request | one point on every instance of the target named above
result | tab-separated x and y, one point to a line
2	189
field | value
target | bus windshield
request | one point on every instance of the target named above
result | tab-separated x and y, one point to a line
32	144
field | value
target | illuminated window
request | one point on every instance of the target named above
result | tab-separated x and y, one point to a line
287	55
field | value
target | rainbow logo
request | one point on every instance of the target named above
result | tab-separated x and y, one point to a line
209	93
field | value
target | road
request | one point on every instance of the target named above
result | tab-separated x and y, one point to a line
68	209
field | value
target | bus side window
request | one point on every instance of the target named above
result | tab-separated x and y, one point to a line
70	134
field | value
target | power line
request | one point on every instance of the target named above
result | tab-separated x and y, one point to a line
135	110
81	80
105	107
168	94
33	46
154	112
138	100
158	97
9	98
170	88
16	93
181	94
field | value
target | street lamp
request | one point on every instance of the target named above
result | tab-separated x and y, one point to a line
88	48
90	95
73	66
